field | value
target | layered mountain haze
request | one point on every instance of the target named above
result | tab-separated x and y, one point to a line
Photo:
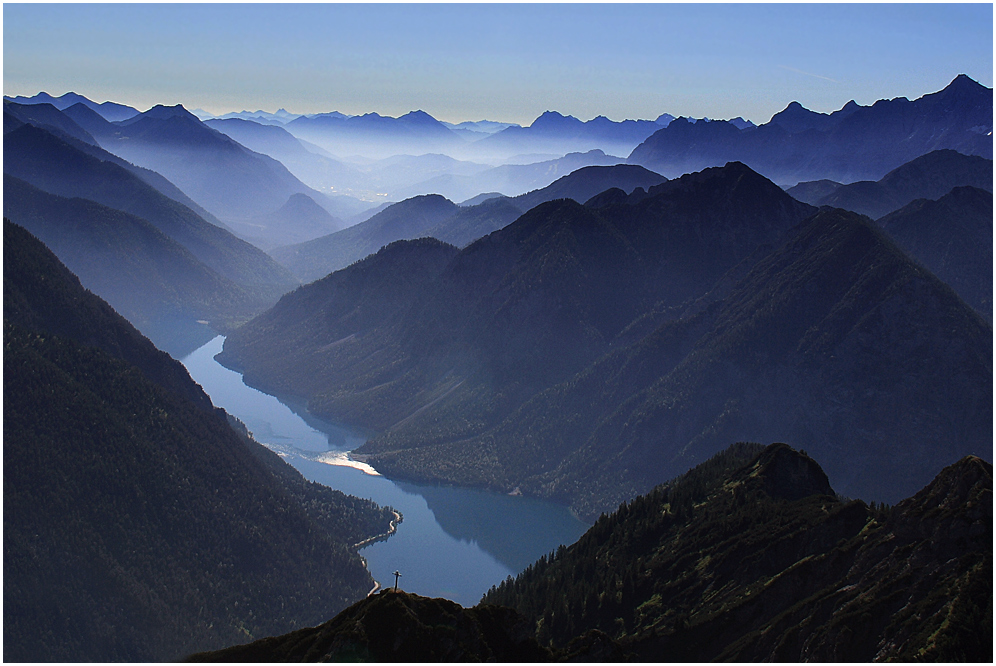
929	176
318	171
138	525
300	219
151	279
432	215
408	219
520	176
226	178
953	237
553	132
54	166
376	136
511	334
47	117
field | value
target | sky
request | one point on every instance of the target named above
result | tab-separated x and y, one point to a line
505	62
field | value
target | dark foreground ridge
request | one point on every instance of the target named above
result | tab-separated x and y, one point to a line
749	556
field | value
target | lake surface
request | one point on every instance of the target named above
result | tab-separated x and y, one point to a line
454	542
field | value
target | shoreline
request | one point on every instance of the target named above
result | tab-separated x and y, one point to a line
392	528
380	537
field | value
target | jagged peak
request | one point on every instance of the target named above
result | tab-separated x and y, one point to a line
955	486
789	474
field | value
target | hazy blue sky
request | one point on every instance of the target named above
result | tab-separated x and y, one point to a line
500	62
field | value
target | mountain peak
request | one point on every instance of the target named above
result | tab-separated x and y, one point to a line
163	112
964	81
554	119
789	474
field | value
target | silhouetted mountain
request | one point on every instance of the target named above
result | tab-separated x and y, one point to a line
446	221
138	525
52	165
953	237
852	144
472	222
514	179
750	557
834	337
111	111
929	176
401	627
50	119
586	182
146	276
368	299
523	309
812	191
376	136
225	177
552	132
411	218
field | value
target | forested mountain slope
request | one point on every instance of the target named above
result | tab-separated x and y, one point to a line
751	557
138	525
747	557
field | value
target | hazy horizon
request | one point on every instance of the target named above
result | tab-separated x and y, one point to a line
506	63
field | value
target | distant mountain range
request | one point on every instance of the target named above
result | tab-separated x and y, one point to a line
138	525
373	135
110	111
852	144
749	556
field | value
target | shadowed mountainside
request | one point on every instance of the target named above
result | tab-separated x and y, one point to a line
929	176
953	237
747	557
138	525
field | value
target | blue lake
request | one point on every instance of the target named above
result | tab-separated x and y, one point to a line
453	542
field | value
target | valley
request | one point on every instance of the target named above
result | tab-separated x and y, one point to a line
452	542
614	360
